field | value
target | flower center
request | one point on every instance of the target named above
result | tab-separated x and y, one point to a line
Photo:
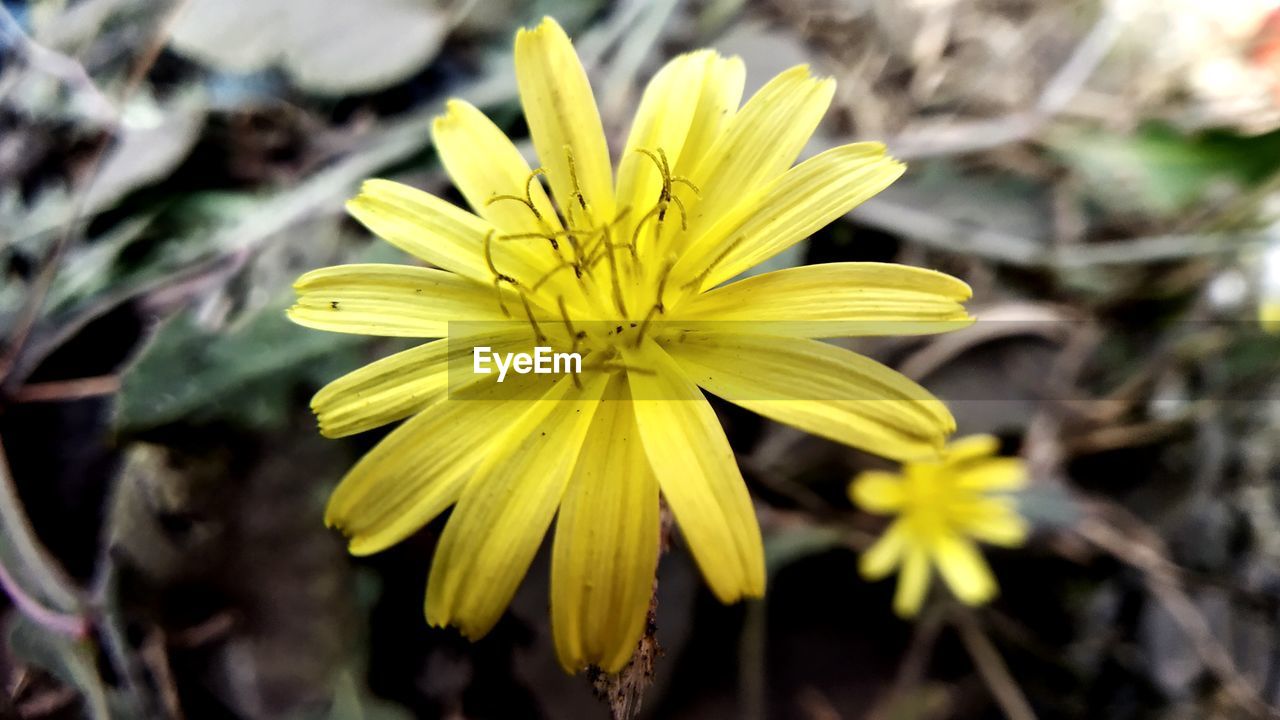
603	282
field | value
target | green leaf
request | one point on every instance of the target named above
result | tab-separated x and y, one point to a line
1161	171
786	547
247	374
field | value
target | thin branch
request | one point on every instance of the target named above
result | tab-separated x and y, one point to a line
1142	549
915	661
926	228
991	666
981	135
62	390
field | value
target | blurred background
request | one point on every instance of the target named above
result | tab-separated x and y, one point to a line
1104	173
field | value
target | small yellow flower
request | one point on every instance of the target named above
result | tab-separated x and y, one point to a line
1269	304
942	507
1269	316
628	272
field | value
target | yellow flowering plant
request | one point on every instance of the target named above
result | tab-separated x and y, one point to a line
942	506
628	272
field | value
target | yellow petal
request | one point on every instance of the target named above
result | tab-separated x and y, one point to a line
384	391
996	521
505	510
819	388
993	475
760	143
971	447
418	470
913	582
838	300
699	476
400	385
878	491
563	119
606	543
424	226
483	163
661	124
1269	316
390	300
405	481
719	95
963	569
807	198
884	555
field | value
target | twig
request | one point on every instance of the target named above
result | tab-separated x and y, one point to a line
970	137
156	656
915	661
61	390
48	703
911	672
1142	549
816	705
991	666
966	238
215	627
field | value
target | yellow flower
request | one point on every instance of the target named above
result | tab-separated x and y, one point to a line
621	271
1269	316
942	507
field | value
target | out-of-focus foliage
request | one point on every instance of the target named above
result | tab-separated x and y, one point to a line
324	46
1160	171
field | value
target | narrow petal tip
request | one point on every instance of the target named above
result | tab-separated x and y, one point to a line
548	26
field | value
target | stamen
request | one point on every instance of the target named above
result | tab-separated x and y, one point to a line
661	164
573	177
578	336
658	308
635	235
527	200
548	275
528	188
549	237
591	250
684	214
599	254
662	283
498	278
528	311
687	182
665	196
697	279
613	274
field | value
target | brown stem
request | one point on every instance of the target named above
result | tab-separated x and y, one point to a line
991	666
625	690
